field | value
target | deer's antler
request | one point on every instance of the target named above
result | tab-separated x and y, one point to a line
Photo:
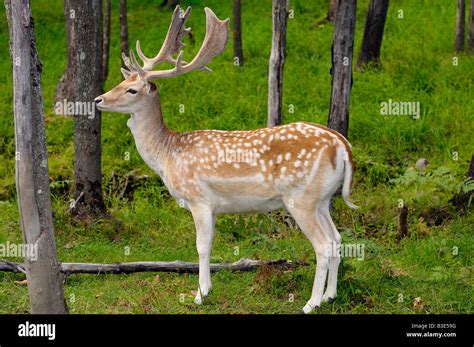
173	41
217	32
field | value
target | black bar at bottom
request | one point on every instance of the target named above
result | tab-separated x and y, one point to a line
442	330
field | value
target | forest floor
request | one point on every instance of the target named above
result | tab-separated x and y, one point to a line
429	270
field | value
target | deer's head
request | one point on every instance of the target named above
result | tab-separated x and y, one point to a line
137	90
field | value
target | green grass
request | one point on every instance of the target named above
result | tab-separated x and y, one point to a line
433	263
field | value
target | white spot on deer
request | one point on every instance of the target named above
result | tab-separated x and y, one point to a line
279	159
237	166
288	156
297	163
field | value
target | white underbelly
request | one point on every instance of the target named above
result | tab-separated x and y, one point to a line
246	205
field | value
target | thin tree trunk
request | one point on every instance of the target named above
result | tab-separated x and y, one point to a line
373	32
280	10
169	3
341	70
106	41
460	25
64	90
45	284
332	10
470	31
402	223
123	30
87	86
238	52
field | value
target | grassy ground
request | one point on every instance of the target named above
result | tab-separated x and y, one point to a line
433	263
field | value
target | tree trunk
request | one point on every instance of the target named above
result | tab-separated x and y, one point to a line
238	53
170	3
106	42
280	10
332	10
45	284
373	32
123	30
460	25
402	223
470	31
341	70
87	74
64	92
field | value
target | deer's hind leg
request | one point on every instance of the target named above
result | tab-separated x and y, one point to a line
334	256
303	211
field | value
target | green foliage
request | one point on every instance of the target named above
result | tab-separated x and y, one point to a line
438	180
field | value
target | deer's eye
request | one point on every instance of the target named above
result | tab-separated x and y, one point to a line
131	91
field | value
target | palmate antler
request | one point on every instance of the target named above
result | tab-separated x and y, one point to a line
217	33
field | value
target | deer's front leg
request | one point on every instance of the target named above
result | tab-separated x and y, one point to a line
204	220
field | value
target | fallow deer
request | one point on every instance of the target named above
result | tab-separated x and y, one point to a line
297	167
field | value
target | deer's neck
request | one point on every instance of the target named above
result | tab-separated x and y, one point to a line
153	139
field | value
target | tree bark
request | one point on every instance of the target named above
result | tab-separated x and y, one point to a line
341	70
45	284
460	25
470	30
238	52
64	90
157	266
280	10
123	30
170	3
332	10
373	32
87	72
106	41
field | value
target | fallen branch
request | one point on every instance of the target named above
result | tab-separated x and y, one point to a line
15	267
157	266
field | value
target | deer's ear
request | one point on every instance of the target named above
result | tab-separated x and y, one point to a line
150	87
126	74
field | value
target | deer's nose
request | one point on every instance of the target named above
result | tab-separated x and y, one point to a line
98	100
